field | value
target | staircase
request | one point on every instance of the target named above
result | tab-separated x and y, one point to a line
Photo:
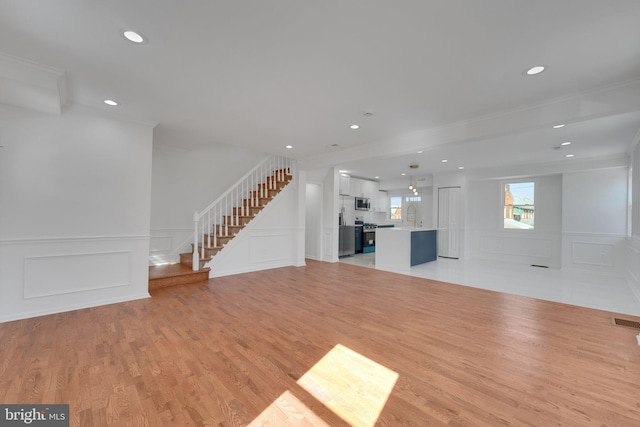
224	219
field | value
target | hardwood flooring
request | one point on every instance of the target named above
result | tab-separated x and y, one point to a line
230	351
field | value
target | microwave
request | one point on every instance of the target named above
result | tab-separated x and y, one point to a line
363	204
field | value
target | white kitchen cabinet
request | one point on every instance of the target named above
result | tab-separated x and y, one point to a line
363	188
355	186
382	204
344	184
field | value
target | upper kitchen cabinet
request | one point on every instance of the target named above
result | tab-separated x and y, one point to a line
382	203
344	184
359	187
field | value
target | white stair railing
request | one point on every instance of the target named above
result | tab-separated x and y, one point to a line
228	209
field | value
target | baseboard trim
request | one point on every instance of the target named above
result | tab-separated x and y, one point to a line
73	307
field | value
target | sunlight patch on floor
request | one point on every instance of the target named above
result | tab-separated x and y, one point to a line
354	387
287	410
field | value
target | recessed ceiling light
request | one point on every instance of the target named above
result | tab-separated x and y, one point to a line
444	161
534	70
566	143
420	152
559	126
569	155
354	127
288	146
133	36
403	174
460	167
343	171
377	177
110	102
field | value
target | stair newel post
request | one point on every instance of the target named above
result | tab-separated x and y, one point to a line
195	260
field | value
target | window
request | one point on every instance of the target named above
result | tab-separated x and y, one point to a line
395	205
413	199
519	205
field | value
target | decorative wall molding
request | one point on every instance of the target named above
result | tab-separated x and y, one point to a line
603	252
605	235
59	274
517	245
70	239
51	275
590	253
267	247
160	244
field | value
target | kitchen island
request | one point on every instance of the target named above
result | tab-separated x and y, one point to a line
398	249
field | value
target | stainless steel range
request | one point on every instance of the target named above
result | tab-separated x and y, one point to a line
368	237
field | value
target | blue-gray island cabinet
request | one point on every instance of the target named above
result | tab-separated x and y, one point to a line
399	249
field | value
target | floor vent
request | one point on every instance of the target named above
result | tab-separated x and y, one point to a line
623	322
538	265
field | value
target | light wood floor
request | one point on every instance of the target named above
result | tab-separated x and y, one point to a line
231	350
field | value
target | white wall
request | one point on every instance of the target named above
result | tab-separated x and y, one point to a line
487	239
74	211
186	180
594	220
633	246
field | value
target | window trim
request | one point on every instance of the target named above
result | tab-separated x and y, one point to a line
503	184
401	202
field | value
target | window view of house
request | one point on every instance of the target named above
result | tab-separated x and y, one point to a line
519	205
395	205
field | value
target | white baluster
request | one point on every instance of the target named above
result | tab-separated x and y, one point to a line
209	229
195	260
215	227
202	256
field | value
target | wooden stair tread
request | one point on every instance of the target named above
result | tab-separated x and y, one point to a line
161	276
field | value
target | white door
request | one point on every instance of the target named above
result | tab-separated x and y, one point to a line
449	222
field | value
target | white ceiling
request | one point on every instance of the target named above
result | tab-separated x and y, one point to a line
442	76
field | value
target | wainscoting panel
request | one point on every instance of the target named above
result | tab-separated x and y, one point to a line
51	275
330	251
605	253
160	244
269	247
517	247
62	274
633	265
166	244
592	253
